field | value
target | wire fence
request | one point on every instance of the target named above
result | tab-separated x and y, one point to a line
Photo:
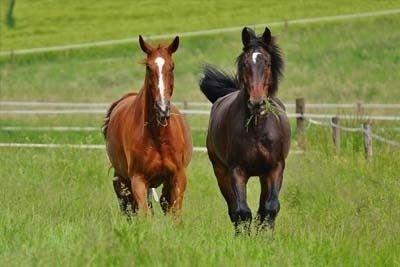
94	146
77	146
55	108
11	103
355	129
193	112
67	128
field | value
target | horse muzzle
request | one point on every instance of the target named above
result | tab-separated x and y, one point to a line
257	107
163	109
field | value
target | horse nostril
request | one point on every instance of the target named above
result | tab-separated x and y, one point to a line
256	102
257	107
163	109
167	111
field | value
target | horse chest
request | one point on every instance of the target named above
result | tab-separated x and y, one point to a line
258	152
160	160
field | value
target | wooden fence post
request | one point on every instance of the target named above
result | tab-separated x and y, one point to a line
359	109
185	106
367	140
300	121
336	133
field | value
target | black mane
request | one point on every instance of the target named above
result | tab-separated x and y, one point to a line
215	83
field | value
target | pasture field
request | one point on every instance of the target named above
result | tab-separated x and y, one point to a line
46	23
325	62
57	206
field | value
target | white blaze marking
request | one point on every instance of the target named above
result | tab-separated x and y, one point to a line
160	63
254	56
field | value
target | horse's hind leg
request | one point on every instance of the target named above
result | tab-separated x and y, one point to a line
269	203
123	191
165	197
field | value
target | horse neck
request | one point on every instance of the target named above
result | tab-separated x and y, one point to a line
146	107
242	98
147	110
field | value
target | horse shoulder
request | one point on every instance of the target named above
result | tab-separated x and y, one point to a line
222	118
119	131
180	139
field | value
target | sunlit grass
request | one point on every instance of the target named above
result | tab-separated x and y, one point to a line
58	208
45	23
327	62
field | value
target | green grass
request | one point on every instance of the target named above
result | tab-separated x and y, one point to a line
58	206
46	22
348	61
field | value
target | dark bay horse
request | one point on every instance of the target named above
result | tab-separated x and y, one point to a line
249	133
148	141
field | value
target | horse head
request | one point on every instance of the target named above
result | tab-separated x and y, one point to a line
259	68
160	75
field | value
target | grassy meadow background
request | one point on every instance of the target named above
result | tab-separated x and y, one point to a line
57	206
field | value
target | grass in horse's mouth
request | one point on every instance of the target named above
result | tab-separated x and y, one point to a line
269	108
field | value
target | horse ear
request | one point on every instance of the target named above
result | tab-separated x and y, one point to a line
145	46
267	36
247	35
174	45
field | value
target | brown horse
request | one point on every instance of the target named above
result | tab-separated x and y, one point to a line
148	141
249	133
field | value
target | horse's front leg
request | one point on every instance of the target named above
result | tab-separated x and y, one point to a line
241	214
139	193
269	205
173	192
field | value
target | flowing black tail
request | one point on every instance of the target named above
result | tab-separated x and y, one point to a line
216	84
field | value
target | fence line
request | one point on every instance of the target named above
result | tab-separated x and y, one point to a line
331	124
194	112
83	111
351	105
384	140
91	146
200	32
345	117
52	128
188	104
356	129
346	129
68	128
97	129
53	111
322	123
77	146
53	104
31	145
